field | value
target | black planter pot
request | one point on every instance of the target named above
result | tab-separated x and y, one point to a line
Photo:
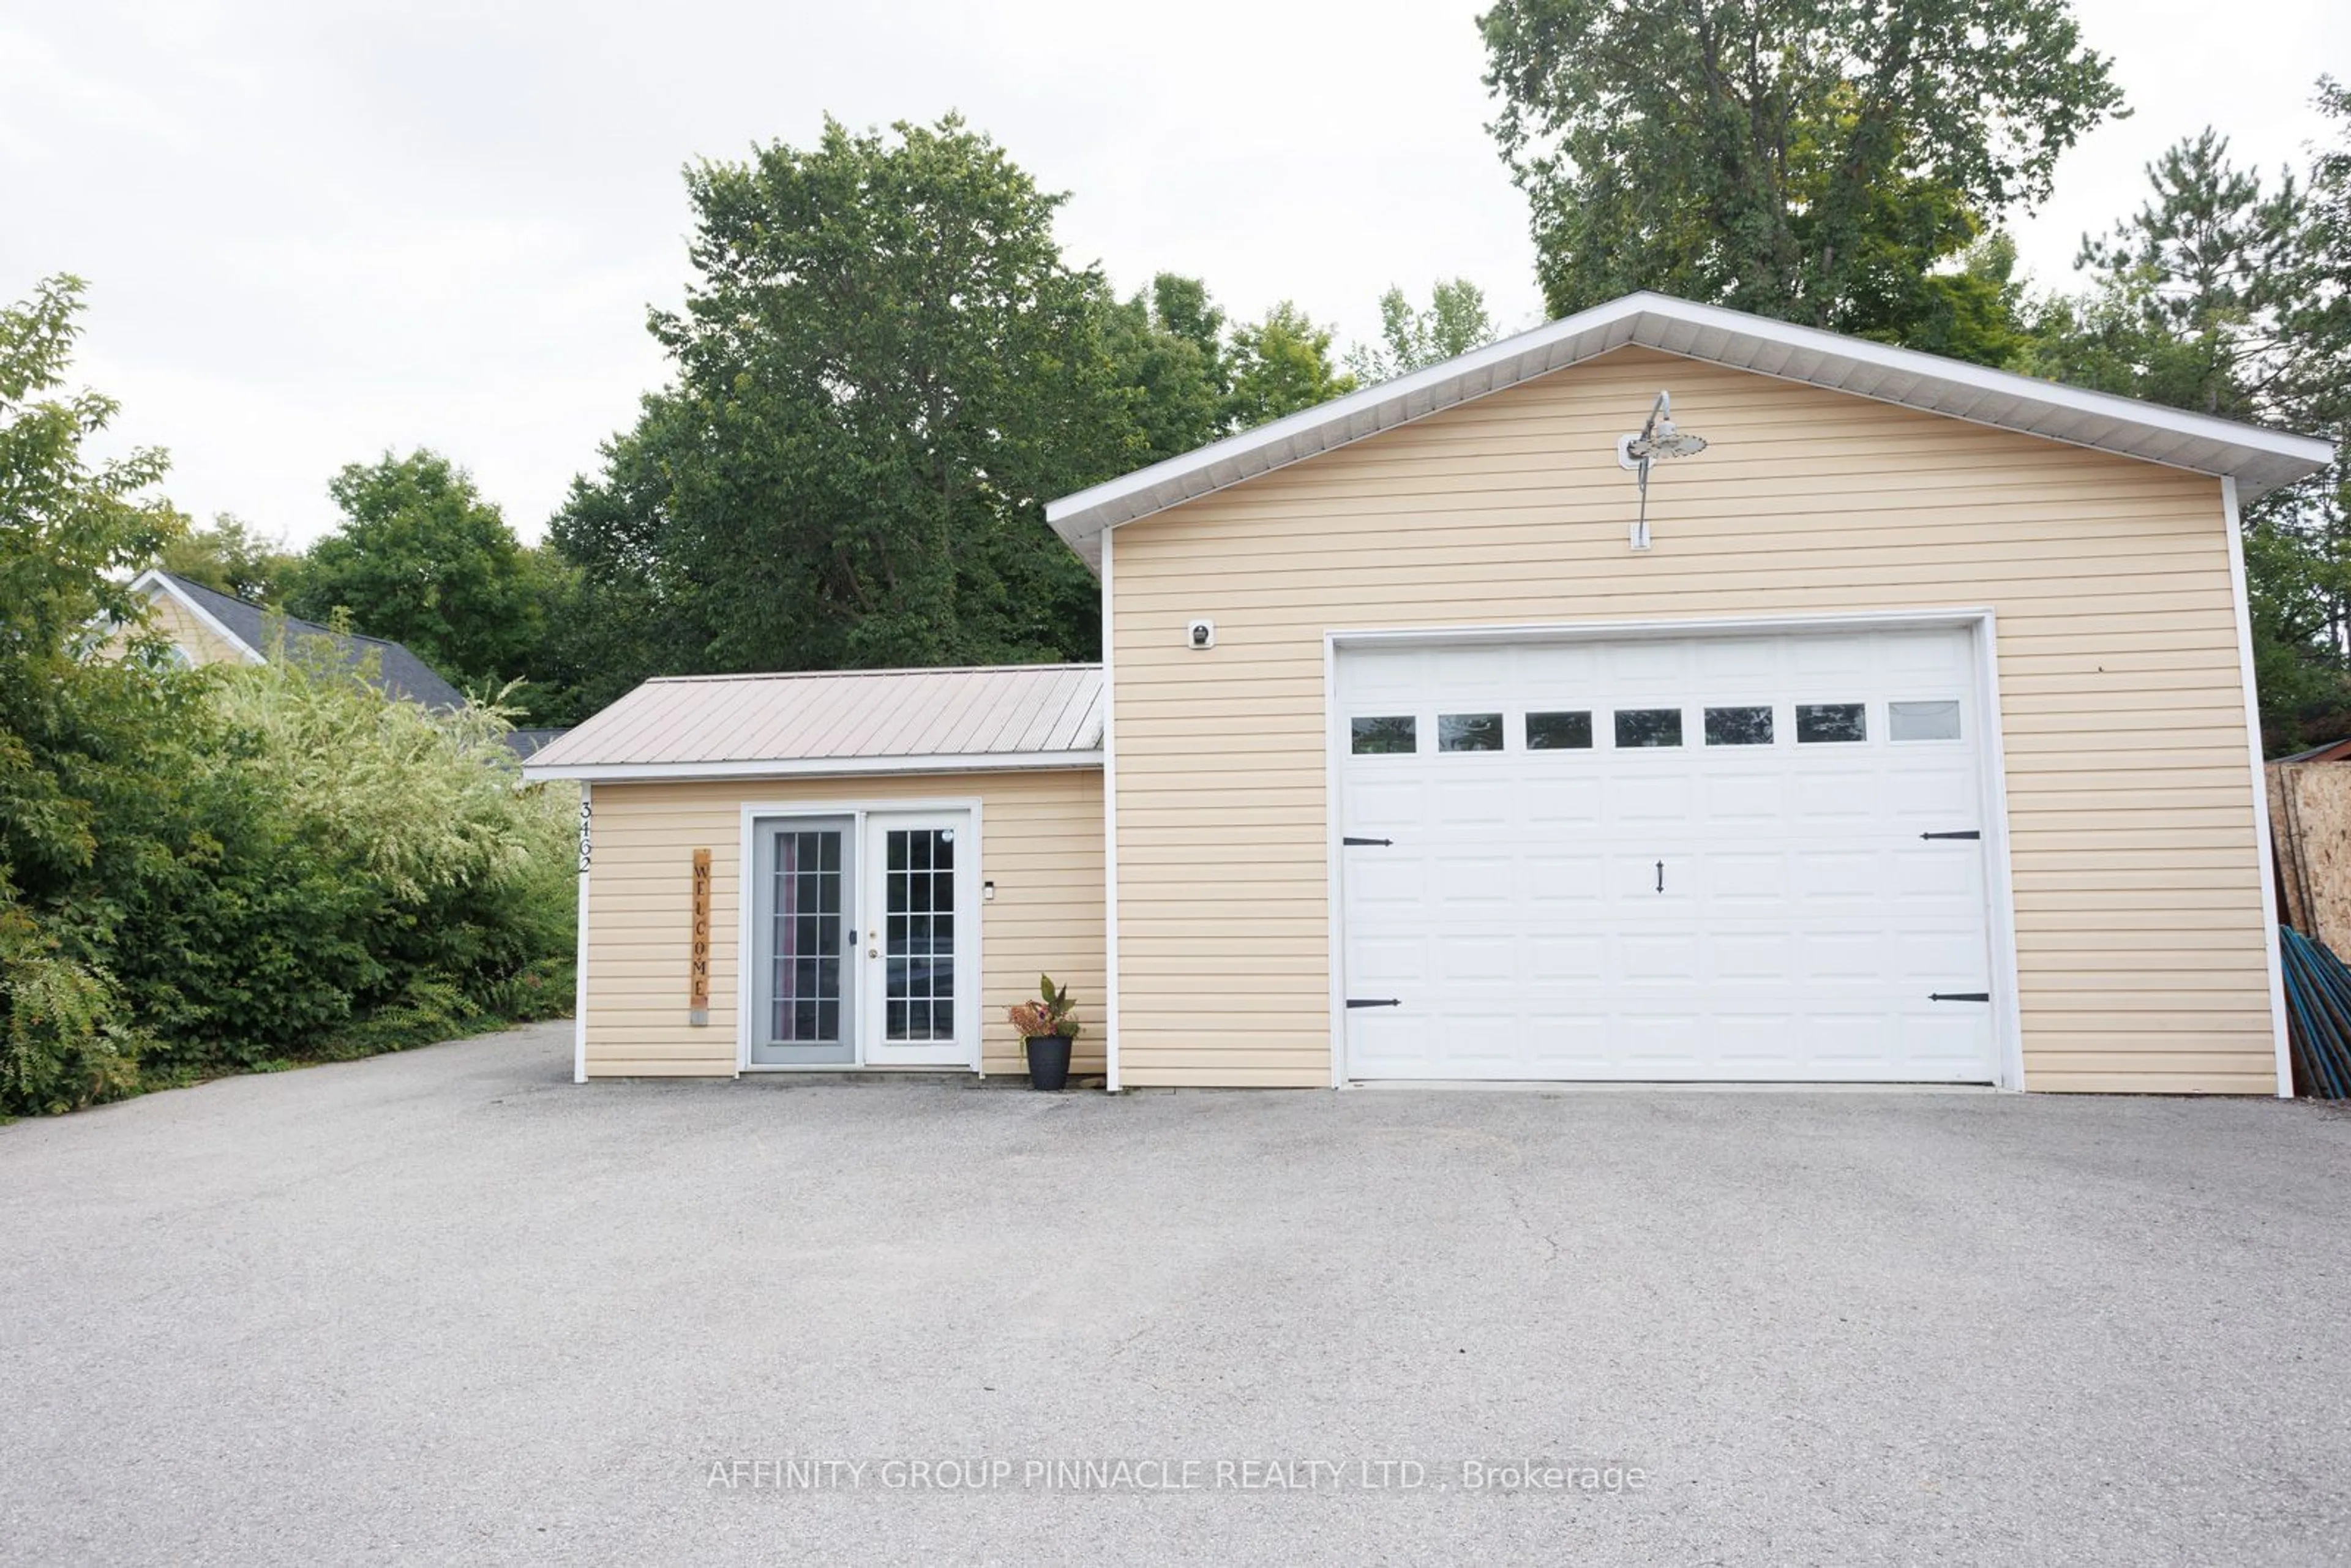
1049	1062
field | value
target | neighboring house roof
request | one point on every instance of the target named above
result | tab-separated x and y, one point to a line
869	721
2258	459
530	743
248	627
2333	751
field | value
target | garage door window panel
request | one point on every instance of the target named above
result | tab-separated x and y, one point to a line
1738	726
1469	732
1647	726
1383	736
1922	721
1832	723
1565	731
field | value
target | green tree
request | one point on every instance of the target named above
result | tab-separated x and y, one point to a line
883	369
1974	306
231	557
83	735
70	531
2197	300
2307	286
1808	159
2184	303
1182	306
205	869
1280	365
2200	264
1165	345
422	559
1454	322
600	642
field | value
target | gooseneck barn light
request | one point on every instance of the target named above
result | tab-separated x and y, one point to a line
1657	439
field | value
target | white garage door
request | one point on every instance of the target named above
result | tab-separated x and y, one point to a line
1721	857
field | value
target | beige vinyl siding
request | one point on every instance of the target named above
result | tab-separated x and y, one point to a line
1040	843
2138	907
201	642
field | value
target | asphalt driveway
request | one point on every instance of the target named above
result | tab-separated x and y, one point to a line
448	1307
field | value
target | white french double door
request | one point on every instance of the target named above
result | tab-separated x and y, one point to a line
863	944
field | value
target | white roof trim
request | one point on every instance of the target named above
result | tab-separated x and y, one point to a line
2258	459
152	580
815	767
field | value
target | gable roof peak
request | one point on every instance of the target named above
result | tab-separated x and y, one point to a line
2259	459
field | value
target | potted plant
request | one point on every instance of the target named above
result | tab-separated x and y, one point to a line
1046	1027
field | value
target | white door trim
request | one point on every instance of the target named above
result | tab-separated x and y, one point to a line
2007	1016
874	1048
2000	882
967	880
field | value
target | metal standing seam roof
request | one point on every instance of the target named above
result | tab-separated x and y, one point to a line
2259	459
847	721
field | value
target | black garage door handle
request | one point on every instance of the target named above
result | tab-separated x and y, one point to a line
1958	996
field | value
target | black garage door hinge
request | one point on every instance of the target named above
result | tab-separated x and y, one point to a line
1375	1001
1958	996
1382	842
1962	833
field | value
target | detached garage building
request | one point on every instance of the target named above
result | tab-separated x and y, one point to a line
1914	744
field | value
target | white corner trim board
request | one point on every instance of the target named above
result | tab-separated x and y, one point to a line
2264	842
1110	830
1333	828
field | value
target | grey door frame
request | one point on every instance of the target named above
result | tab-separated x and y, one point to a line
761	1049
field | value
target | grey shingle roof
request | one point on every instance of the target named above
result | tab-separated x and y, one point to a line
402	673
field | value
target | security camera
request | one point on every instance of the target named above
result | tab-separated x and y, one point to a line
1200	634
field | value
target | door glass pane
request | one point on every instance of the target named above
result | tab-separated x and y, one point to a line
1469	732
1648	727
919	919
1922	721
1739	727
1559	731
1830	721
807	938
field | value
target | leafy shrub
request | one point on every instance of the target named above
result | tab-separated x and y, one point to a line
63	1041
279	864
204	871
386	875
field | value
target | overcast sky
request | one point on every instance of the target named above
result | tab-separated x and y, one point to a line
317	230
